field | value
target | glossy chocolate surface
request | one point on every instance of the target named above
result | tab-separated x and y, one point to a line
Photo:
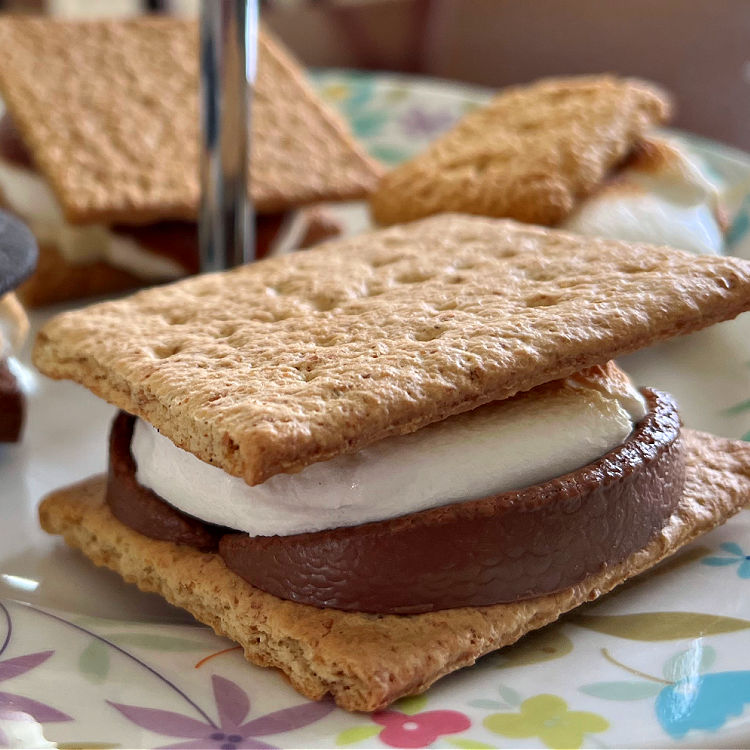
503	548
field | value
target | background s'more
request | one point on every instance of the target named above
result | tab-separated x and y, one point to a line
99	150
436	399
580	153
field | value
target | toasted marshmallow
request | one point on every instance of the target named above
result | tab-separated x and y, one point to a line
14	325
504	445
662	196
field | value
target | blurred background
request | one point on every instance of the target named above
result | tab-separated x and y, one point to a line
699	49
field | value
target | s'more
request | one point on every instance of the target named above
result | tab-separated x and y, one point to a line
374	462
579	153
99	151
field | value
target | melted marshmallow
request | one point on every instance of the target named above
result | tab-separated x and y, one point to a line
664	198
502	446
28	195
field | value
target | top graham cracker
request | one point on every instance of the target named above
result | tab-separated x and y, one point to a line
109	110
273	366
529	154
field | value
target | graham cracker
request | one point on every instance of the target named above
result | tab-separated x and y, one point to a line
109	111
530	154
270	367
368	661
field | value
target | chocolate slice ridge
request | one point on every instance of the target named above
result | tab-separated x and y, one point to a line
503	548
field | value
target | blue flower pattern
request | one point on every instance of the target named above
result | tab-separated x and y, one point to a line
736	556
703	702
688	697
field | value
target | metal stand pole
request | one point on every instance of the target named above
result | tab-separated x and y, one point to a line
228	56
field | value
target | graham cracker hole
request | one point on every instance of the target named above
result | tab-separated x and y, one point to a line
541	274
447	305
325	343
282	288
175	319
380	262
323	304
413	277
166	350
429	334
542	300
307	370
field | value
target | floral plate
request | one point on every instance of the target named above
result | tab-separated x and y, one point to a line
87	661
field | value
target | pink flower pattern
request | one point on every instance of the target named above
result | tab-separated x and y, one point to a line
419	730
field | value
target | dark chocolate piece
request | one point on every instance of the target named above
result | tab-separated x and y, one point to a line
143	510
12	406
512	546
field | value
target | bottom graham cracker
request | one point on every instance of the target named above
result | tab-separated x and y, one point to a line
368	661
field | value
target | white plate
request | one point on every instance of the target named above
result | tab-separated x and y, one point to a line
666	661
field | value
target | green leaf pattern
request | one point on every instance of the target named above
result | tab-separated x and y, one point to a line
660	626
93	663
357	734
411	705
625	690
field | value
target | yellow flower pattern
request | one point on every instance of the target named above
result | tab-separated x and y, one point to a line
547	717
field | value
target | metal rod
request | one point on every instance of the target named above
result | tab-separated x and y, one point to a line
228	54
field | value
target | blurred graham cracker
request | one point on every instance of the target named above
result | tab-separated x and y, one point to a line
368	661
14	324
271	367
530	154
109	110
